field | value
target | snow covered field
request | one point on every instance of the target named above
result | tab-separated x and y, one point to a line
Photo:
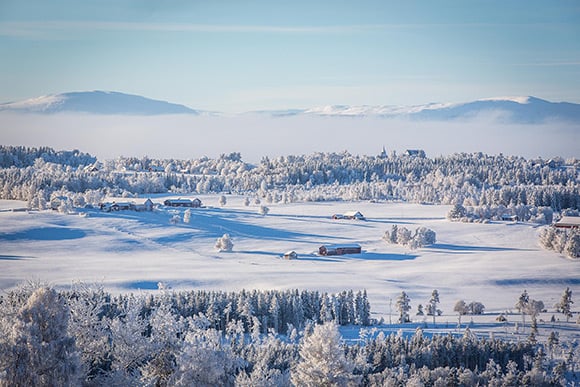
130	251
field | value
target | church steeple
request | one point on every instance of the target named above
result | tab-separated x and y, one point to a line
383	154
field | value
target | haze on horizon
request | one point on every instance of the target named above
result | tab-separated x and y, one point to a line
255	136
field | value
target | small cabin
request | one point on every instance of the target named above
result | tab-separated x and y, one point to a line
509	218
290	255
339	249
568	222
146	206
354	215
114	206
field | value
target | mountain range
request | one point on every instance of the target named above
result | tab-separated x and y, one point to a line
96	102
510	109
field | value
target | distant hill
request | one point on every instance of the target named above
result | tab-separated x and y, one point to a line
509	109
97	102
506	109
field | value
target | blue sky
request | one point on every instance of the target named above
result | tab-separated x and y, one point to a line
237	56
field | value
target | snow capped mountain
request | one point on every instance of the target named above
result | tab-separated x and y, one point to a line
508	109
97	102
505	109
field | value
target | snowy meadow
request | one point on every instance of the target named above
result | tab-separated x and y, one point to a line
452	282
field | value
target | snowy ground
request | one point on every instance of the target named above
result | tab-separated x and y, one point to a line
129	251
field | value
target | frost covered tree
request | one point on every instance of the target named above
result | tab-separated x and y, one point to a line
263	210
476	307
457	212
89	328
404	235
40	351
322	360
572	246
246	201
403	305
432	305
130	347
205	360
224	243
223	200
175	219
522	305
565	304
461	308
425	236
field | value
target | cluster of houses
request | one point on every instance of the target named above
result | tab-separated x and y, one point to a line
149	205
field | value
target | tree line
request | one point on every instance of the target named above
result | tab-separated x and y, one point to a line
470	179
88	337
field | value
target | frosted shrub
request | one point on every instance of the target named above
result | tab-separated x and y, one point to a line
224	243
401	235
456	213
264	210
187	216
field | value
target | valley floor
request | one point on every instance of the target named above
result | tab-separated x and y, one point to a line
130	251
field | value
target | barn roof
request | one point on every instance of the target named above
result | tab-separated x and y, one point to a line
568	221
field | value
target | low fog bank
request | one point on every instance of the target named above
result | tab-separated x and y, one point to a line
255	136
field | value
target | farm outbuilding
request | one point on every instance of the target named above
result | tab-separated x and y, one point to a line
350	215
339	249
195	203
568	222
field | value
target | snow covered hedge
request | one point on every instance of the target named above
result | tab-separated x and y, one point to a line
565	241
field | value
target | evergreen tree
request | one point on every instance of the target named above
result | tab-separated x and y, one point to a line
565	304
522	305
432	306
403	306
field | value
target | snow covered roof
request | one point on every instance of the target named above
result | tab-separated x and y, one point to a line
178	200
568	222
343	246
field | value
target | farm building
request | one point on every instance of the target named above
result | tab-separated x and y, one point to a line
147	205
339	249
349	215
195	203
568	222
114	206
354	215
290	255
509	218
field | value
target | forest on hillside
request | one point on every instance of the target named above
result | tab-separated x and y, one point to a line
504	184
